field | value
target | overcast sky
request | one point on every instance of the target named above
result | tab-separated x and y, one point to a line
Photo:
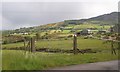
25	14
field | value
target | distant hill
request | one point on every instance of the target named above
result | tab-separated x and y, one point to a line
106	19
111	18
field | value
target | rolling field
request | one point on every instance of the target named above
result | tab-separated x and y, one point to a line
84	26
21	60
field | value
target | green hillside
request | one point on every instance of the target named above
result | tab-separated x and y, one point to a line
96	23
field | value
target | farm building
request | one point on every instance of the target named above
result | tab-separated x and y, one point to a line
85	32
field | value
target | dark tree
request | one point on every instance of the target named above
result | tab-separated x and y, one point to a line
37	36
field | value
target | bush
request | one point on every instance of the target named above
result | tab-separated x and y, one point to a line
66	39
27	38
12	39
37	36
5	42
69	36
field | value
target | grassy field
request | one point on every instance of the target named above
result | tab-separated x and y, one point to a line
18	60
84	26
21	60
13	45
65	44
68	44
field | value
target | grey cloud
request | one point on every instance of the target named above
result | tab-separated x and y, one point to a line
20	14
37	13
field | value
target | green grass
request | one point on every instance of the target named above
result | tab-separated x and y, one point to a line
31	35
18	60
66	44
13	45
66	31
84	26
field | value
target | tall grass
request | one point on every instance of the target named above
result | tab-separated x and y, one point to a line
19	60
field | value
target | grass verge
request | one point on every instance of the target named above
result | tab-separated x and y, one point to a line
19	60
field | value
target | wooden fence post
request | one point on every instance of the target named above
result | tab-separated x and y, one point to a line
118	42
75	44
29	46
25	44
32	45
112	48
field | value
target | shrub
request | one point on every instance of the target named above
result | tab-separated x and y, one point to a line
69	36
